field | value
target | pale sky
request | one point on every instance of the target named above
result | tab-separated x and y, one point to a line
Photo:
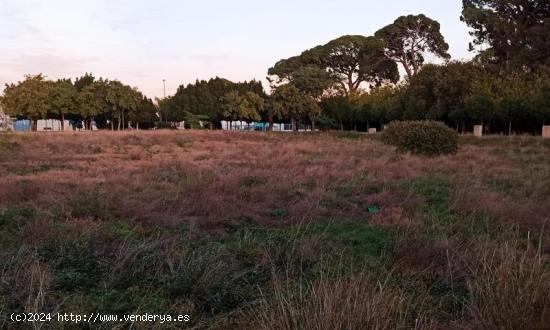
142	42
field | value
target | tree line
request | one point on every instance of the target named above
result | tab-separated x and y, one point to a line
351	82
107	103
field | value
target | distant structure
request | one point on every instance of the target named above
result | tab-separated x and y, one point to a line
5	121
42	125
255	126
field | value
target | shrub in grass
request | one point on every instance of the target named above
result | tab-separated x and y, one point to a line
427	138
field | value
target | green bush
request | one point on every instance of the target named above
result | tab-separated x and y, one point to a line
428	138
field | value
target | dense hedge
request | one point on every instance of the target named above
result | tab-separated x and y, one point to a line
428	138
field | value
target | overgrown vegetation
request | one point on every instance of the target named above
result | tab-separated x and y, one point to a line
331	233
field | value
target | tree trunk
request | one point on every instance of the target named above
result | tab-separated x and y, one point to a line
62	121
118	123
406	67
510	128
351	86
313	125
270	121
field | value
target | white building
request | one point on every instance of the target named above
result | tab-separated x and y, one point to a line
52	125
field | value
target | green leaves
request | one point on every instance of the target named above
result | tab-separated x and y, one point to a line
237	106
62	97
204	98
409	38
289	102
427	138
29	98
517	31
342	65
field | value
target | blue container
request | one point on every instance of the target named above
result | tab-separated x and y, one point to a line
22	125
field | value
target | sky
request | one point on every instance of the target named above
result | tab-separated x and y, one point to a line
143	42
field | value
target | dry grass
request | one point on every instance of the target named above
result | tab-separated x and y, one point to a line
151	177
357	302
510	288
214	223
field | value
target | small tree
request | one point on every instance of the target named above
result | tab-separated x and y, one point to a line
481	107
121	99
193	120
29	99
241	107
458	115
290	103
91	101
62	99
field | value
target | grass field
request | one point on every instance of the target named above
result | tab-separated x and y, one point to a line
260	231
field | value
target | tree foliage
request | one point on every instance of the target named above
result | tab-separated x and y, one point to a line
516	31
427	138
237	106
29	98
87	99
409	38
341	65
205	98
62	98
289	102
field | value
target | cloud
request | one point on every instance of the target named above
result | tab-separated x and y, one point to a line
210	58
48	63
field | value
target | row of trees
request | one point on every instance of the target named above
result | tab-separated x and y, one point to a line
218	99
108	103
213	101
351	82
459	93
342	68
506	87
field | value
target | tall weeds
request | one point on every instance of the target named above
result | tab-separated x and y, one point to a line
357	301
510	288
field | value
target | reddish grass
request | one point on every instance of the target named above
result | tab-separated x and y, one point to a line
92	187
197	177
